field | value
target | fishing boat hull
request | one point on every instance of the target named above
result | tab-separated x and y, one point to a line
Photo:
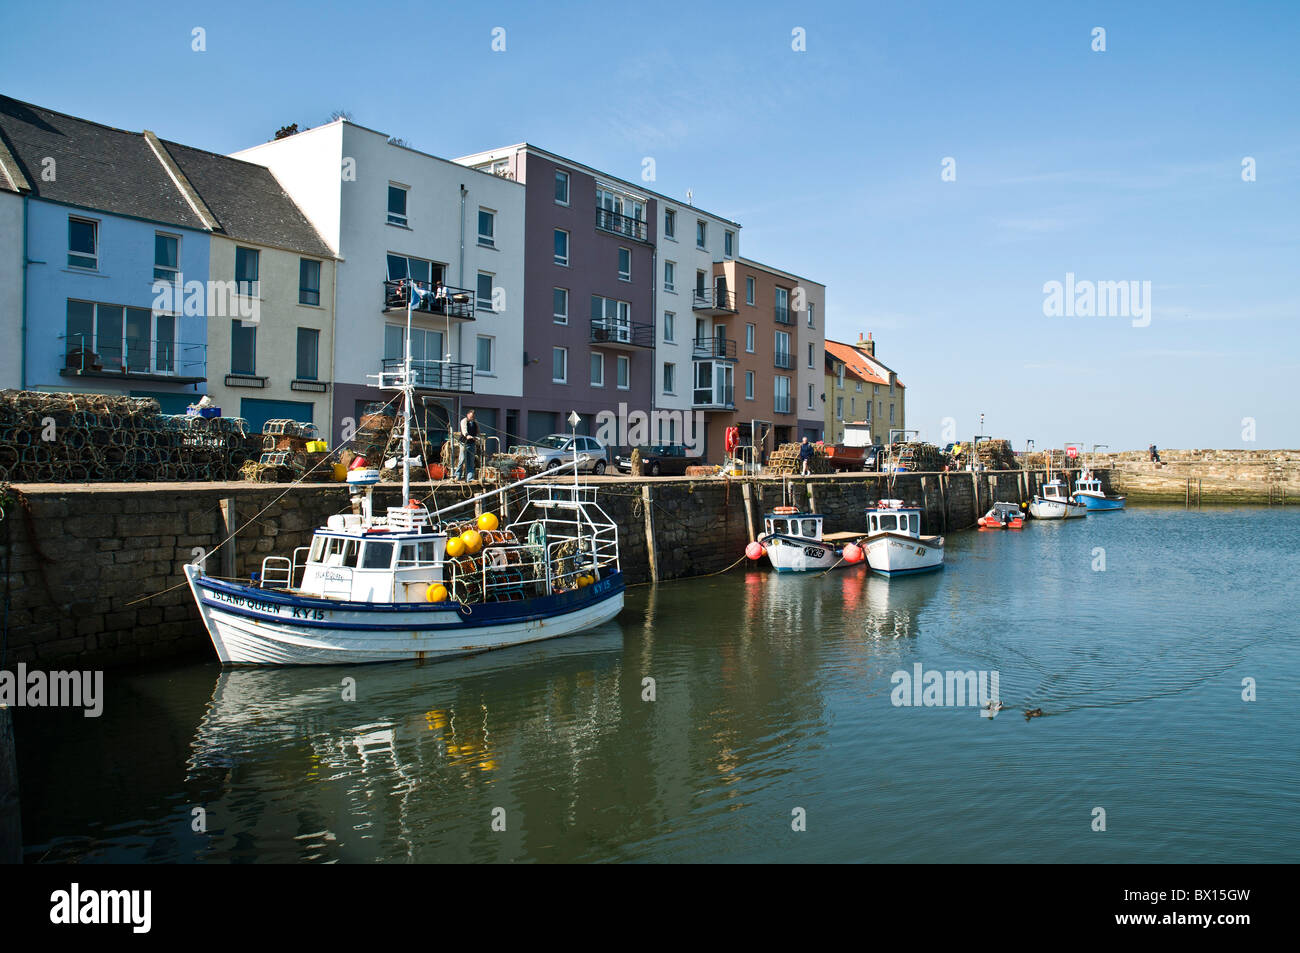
793	554
896	554
253	626
1041	509
1095	502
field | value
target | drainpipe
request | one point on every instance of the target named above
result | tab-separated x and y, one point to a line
26	264
460	281
334	346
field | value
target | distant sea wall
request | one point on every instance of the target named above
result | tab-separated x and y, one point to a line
95	573
1212	476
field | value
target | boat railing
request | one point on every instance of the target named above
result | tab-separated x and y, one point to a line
277	572
407	519
299	569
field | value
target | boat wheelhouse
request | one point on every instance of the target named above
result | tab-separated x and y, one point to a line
1055	503
793	541
894	545
1088	491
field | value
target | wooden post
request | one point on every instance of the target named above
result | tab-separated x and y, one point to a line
650	532
975	492
229	527
943	498
1187	500
812	498
1198	493
11	833
749	510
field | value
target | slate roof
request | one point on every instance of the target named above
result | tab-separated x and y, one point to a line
95	167
248	201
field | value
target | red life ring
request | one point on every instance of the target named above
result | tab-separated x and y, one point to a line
785	510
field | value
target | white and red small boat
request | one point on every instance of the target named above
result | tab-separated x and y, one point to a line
1002	516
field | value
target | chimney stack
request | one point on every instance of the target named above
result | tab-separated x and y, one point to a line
866	344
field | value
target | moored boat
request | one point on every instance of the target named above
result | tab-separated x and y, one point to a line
1088	491
793	542
1003	516
894	545
1055	504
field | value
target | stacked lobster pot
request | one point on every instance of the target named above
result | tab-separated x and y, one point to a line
488	564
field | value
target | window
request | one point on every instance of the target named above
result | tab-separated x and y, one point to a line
669	318
83	243
839	374
611	317
484	290
417	269
243	348
560	305
397	205
561	187
560	365
783	305
166	257
810	397
617	213
487	224
859	385
670	276
701	234
426	347
868	411
853	406
625	264
624	371
891	415
782	347
839	408
670	223
246	267
377	555
875	390
597	369
749	385
308	281
812	315
483	359
729	244
749	290
308	354
119	338
561	247
749	338
810	356
670	378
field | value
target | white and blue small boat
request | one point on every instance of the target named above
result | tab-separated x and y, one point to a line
793	541
1055	504
1089	492
894	545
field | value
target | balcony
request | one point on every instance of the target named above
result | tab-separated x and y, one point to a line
715	301
783	315
628	227
782	405
433	375
719	397
713	349
136	359
453	303
624	335
783	361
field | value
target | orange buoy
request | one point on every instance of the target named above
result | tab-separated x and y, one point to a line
785	510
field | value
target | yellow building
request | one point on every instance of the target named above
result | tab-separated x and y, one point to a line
861	390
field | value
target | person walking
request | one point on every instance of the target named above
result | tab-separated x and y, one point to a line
467	432
805	456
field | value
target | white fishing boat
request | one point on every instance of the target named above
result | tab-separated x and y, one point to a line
793	542
894	544
414	584
1055	503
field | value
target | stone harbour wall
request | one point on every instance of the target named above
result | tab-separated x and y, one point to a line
94	573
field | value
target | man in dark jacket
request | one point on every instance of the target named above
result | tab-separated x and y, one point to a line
805	455
467	433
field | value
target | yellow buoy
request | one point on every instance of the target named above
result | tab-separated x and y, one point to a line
455	547
436	592
488	521
472	540
583	581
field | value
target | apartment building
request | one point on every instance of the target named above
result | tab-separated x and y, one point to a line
861	390
412	229
13	217
588	332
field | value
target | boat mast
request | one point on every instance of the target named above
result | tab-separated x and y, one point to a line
407	392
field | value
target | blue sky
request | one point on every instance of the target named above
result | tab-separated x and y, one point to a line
1116	165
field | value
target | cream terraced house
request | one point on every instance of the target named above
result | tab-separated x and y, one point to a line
271	356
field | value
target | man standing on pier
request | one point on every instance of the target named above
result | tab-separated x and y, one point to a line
805	455
466	468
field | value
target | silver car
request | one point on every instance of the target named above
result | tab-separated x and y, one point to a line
556	449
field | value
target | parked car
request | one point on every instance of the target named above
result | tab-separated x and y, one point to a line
557	449
872	458
659	461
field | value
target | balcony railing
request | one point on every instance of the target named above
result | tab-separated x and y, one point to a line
624	225
453	302
715	348
715	398
781	405
783	315
783	360
714	301
436	375
622	333
140	358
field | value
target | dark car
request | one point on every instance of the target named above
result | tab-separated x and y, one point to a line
872	458
659	461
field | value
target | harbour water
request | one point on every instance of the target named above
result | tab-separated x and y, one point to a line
772	702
